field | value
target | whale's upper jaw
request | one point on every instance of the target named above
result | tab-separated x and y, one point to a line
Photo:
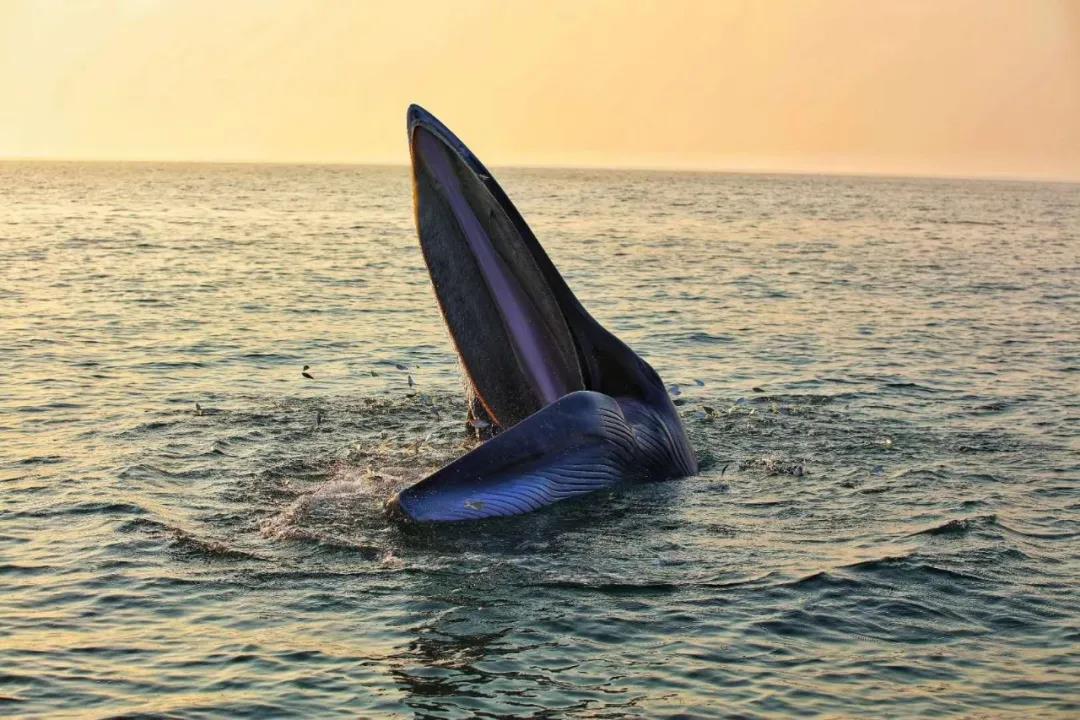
506	322
523	337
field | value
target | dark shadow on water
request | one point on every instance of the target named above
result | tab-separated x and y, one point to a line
601	513
495	634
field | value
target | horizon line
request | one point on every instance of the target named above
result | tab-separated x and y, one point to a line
988	177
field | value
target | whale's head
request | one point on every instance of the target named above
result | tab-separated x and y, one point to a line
580	410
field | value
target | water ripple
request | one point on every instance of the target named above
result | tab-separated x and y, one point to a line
877	374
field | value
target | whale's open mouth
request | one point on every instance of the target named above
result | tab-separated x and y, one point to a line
580	410
505	317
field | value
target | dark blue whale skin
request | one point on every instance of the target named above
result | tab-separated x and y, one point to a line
571	408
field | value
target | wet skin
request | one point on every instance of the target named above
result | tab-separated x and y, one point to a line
572	409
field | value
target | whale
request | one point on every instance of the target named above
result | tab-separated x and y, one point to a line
564	408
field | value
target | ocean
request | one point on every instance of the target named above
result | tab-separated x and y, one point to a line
880	377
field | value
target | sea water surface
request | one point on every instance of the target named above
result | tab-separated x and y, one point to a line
880	377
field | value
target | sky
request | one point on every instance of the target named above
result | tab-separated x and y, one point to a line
912	87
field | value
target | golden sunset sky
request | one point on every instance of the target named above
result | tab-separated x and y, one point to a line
942	87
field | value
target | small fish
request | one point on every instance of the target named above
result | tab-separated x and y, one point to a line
674	390
198	409
709	410
478	423
318	418
374	374
699	383
399	366
474	504
757	389
305	372
724	469
411	383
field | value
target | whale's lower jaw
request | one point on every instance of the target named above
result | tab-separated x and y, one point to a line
582	443
574	408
